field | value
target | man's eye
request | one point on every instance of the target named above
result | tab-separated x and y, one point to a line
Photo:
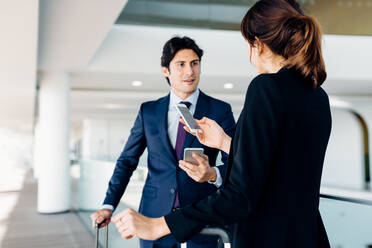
181	64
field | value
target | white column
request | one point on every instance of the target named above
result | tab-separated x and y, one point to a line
37	152
53	143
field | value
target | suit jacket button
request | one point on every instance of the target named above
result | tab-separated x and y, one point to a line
172	191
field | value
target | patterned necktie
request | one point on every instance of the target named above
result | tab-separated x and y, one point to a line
181	136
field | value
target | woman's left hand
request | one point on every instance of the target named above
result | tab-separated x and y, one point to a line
130	223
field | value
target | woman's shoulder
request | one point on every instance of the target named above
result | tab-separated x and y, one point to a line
263	89
266	82
264	78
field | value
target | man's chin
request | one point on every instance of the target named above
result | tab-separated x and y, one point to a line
190	89
190	86
186	89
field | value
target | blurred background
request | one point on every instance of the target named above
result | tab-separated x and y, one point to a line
73	74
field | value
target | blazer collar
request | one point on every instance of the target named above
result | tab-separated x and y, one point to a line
174	99
162	112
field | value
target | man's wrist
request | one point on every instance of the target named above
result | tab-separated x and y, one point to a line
108	207
218	182
212	175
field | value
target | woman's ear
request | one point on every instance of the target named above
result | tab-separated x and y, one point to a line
260	46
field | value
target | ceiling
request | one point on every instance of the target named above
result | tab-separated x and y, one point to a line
80	38
346	17
132	53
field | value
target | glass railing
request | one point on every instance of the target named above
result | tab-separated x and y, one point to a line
90	181
347	214
347	217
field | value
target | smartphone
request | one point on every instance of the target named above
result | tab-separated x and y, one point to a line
188	118
187	154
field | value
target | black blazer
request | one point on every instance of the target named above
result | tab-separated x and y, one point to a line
271	190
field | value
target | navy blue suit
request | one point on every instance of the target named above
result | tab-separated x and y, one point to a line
164	175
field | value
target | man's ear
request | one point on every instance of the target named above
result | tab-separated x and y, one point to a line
165	71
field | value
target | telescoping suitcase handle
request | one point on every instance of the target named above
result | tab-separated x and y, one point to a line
214	231
96	226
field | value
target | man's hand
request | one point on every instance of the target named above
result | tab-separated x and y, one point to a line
103	217
200	173
131	224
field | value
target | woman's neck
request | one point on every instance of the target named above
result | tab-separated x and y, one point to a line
274	64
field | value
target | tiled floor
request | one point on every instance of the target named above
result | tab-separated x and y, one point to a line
22	226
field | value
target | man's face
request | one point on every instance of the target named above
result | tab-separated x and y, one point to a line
183	72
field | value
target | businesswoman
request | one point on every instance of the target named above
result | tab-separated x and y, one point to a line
271	191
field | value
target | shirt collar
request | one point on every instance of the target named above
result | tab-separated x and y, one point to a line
174	99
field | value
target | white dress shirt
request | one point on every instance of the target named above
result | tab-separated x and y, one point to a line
173	121
174	116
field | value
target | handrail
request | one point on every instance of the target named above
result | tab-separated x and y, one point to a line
347	195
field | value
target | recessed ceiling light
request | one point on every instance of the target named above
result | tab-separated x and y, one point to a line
111	106
228	86
137	83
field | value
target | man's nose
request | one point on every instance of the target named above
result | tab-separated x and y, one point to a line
189	70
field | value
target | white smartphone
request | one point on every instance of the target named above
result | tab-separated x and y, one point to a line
187	154
188	118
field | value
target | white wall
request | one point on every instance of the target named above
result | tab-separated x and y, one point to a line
18	49
15	148
104	139
15	157
343	165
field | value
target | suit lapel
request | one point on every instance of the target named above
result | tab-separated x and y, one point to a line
202	106
162	112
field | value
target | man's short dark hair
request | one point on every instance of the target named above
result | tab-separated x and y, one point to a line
176	44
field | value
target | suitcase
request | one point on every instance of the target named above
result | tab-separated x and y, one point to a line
221	233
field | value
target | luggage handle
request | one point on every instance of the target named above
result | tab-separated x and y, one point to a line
96	226
215	232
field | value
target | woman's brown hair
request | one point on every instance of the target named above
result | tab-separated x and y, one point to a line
282	26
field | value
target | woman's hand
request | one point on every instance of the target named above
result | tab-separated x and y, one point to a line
133	224
212	134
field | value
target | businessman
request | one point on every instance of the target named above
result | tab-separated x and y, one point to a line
157	127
